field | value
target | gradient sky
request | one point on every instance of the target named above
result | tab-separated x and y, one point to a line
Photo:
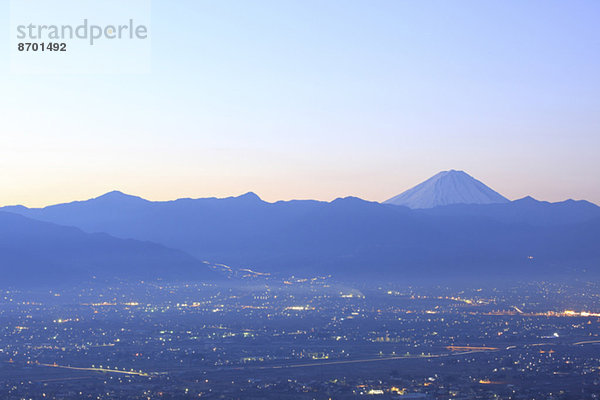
319	99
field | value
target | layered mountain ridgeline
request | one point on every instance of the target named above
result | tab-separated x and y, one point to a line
524	211
354	238
35	253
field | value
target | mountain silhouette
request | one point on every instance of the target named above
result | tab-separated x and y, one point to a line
34	253
352	238
447	187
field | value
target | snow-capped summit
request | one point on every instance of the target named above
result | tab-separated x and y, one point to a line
447	187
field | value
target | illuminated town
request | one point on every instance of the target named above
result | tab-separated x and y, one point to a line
313	338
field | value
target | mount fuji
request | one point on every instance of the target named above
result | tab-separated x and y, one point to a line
445	188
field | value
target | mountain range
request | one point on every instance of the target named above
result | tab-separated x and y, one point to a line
36	253
476	234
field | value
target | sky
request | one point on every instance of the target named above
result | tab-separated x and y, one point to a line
317	99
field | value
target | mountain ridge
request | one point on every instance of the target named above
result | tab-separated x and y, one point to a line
34	252
450	225
351	237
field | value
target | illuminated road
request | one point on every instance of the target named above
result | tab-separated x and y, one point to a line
115	371
455	351
469	348
368	360
587	342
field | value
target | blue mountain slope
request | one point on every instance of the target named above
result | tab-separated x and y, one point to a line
524	211
354	238
36	253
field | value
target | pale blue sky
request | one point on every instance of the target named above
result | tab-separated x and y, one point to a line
319	99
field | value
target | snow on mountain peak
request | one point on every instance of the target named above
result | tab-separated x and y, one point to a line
447	187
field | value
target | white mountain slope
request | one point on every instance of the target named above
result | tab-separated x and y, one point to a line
447	187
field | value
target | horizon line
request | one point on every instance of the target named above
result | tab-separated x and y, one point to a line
248	193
